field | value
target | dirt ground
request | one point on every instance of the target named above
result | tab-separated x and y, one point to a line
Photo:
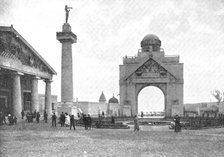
32	139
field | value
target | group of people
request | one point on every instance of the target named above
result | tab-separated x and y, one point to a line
69	120
8	119
30	116
65	120
87	121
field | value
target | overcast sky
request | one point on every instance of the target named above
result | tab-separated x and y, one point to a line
108	30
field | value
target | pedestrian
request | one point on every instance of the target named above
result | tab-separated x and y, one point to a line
67	120
72	122
54	117
22	114
14	120
177	127
142	114
34	114
112	120
89	122
1	118
38	117
85	122
136	124
62	119
45	116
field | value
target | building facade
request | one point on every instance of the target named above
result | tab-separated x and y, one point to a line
21	67
151	68
110	108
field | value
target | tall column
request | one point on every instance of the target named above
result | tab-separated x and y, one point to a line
34	94
16	95
66	73
67	38
48	107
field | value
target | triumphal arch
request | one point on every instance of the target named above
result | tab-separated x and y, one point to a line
151	68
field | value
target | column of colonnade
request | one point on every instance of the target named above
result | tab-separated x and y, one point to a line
17	95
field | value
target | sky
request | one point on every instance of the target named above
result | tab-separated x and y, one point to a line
108	30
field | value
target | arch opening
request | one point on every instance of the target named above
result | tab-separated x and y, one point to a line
151	101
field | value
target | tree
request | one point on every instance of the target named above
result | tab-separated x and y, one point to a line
218	95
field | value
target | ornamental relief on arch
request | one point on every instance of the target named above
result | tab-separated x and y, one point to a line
151	69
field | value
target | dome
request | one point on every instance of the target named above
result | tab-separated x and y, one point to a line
151	42
113	100
102	98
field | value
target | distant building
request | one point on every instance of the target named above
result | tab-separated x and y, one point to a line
41	106
206	109
96	108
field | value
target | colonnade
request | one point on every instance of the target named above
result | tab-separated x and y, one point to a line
17	94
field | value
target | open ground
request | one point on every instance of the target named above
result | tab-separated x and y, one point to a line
32	139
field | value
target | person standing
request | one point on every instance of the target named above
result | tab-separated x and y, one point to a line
67	120
177	127
38	117
34	114
22	114
136	124
54	117
72	122
89	122
112	120
45	116
85	122
14	120
62	119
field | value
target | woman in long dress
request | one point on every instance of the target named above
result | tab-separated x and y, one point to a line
67	120
136	124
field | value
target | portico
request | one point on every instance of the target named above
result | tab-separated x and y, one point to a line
21	67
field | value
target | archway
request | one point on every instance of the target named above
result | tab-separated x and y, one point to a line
151	101
150	67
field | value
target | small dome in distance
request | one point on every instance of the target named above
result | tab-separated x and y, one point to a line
102	98
113	100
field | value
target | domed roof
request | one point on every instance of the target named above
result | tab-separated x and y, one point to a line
102	98
150	39
113	100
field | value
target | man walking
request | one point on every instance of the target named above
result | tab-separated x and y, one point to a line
45	116
62	119
22	114
38	117
72	122
54	117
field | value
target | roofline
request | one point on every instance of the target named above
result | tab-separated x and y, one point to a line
11	29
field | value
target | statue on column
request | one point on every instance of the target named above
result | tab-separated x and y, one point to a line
67	10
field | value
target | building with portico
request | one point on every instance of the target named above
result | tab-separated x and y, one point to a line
21	67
